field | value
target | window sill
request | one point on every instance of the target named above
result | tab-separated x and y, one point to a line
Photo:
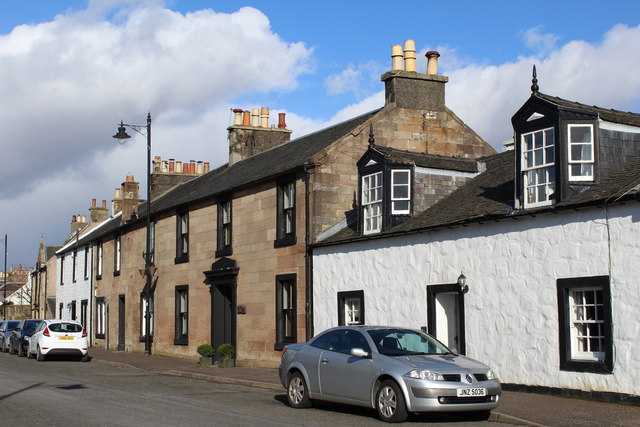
182	259
99	277
181	341
100	336
279	346
285	241
596	367
226	251
142	338
116	273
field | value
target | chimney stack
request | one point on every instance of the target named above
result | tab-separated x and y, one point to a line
96	214
406	88
130	199
254	135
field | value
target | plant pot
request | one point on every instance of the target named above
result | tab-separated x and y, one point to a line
227	363
206	361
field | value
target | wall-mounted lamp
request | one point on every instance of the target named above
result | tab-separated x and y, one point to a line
462	282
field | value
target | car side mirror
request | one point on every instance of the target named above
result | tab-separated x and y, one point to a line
358	352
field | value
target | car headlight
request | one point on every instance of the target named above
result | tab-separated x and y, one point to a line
421	374
491	375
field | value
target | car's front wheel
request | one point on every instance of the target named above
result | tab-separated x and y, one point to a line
297	392
390	402
21	353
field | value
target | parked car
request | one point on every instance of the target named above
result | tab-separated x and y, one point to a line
58	337
19	339
5	334
394	370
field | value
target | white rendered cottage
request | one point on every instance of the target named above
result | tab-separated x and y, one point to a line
546	237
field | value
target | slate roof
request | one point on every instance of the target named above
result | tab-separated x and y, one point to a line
430	160
609	115
489	196
279	160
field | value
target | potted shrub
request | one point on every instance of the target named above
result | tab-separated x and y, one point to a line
206	354
226	351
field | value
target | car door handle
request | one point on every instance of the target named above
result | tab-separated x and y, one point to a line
324	361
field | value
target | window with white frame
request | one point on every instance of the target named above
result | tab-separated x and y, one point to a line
400	191
538	167
581	152
372	202
587	324
286	213
99	261
182	237
224	229
584	306
182	315
285	310
87	265
74	266
351	308
117	255
101	317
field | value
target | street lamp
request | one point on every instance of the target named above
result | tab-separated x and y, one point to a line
148	271
4	288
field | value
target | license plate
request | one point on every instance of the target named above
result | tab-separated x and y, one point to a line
471	392
65	338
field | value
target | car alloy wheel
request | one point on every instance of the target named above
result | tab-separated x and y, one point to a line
297	394
390	402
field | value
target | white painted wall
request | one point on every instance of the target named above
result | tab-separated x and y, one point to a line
511	309
78	291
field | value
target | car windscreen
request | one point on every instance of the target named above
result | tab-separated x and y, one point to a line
65	327
12	324
405	342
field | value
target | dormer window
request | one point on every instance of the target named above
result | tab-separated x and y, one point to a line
581	152
538	167
372	202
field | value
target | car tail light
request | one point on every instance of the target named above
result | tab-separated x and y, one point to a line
284	351
84	334
46	332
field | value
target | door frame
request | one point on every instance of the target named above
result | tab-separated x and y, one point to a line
432	292
121	322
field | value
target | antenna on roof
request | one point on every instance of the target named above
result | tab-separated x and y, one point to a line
372	140
534	81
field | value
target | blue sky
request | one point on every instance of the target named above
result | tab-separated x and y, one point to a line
70	70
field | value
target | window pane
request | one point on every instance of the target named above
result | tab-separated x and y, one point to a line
580	133
402	205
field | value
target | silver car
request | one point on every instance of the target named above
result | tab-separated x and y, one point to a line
394	370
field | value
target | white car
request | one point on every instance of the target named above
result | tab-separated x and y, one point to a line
58	337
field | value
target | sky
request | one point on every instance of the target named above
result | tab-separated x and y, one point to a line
71	70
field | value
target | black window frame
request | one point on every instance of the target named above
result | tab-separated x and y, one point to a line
282	237
84	313
62	270
281	338
222	248
99	260
180	338
567	363
117	255
342	297
87	265
182	238
152	243
73	306
101	301
74	266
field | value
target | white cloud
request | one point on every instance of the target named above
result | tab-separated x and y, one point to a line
539	41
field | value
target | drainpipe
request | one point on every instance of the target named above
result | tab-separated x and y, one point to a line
308	258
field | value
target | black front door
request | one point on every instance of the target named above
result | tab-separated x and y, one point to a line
121	322
222	279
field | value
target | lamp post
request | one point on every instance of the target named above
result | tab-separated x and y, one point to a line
121	136
4	287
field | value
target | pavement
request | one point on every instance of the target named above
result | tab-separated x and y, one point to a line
527	409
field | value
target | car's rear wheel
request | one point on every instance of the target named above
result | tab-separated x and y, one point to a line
11	349
20	352
297	392
29	354
39	355
390	402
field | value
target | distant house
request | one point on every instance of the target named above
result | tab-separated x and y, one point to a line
43	280
230	247
529	266
74	278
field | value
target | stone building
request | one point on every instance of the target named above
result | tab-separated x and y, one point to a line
231	247
44	282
